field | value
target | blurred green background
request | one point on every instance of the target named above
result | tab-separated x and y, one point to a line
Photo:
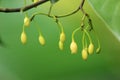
35	62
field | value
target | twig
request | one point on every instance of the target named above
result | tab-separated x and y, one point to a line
10	10
61	16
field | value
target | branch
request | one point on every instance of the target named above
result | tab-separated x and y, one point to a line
10	10
75	11
61	16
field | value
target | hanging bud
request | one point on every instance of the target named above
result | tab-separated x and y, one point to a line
61	45
98	50
91	48
23	37
62	37
73	47
26	21
41	40
84	54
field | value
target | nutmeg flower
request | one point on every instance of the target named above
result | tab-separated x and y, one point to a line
26	21
62	37
84	54
98	50
91	48
23	37
61	45
73	47
41	40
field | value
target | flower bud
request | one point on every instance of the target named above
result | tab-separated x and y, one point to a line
73	47
84	54
98	50
35	1
23	37
61	45
26	21
91	48
41	40
62	37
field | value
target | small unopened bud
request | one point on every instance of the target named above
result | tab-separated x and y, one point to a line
62	37
84	54
73	47
23	37
41	40
91	48
26	21
98	50
61	45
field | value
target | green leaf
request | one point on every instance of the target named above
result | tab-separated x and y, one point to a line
109	11
53	1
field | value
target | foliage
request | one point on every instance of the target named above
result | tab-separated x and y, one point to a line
109	11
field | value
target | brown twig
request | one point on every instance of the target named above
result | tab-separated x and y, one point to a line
10	10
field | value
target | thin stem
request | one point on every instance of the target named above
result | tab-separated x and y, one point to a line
38	13
38	29
69	14
97	38
73	12
83	18
75	32
23	28
83	40
85	43
58	23
89	19
50	9
88	36
82	23
61	26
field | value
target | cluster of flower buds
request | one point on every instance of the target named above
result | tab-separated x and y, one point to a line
24	36
73	47
86	29
87	49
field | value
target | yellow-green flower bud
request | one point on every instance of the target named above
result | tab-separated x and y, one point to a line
35	1
97	50
23	37
62	37
84	54
61	45
91	48
26	21
41	40
73	47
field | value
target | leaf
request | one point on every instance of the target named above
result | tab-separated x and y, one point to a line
109	11
53	1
